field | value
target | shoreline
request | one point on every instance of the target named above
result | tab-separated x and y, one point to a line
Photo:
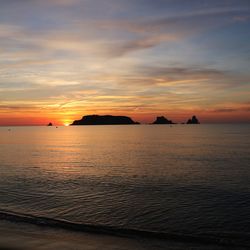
35	224
18	236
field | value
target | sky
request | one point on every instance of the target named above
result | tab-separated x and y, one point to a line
63	59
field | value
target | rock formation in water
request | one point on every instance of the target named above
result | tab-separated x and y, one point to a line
162	120
50	124
194	120
104	120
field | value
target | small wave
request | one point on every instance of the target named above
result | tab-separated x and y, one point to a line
121	232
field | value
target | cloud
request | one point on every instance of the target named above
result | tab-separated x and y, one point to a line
16	108
74	55
151	32
34	2
225	110
182	77
81	36
182	71
123	48
238	108
63	2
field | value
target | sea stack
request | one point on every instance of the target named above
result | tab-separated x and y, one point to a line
50	124
104	120
194	120
162	120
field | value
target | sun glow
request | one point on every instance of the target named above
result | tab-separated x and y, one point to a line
66	124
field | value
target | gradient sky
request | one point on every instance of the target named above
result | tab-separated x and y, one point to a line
62	59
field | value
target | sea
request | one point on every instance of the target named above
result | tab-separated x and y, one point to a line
178	183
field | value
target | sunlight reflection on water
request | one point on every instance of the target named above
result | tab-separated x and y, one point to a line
179	178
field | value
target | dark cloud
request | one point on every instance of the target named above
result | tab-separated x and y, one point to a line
181	72
13	107
246	109
122	48
191	4
225	110
230	110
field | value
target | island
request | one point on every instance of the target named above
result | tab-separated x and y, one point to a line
104	120
162	120
50	124
194	120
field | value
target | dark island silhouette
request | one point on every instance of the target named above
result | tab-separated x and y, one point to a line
122	120
194	120
162	120
104	120
50	124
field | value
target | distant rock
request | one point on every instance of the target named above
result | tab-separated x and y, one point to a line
50	124
162	120
104	120
194	120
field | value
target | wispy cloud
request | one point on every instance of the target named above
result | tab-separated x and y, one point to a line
142	56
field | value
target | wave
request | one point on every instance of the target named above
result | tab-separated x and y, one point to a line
215	239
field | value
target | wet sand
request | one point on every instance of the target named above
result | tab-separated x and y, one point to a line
24	236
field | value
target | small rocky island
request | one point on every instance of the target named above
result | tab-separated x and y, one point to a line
104	120
50	124
194	120
162	120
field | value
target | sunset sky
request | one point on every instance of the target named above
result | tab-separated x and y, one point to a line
62	59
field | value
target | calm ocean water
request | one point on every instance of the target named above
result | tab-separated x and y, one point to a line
184	180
